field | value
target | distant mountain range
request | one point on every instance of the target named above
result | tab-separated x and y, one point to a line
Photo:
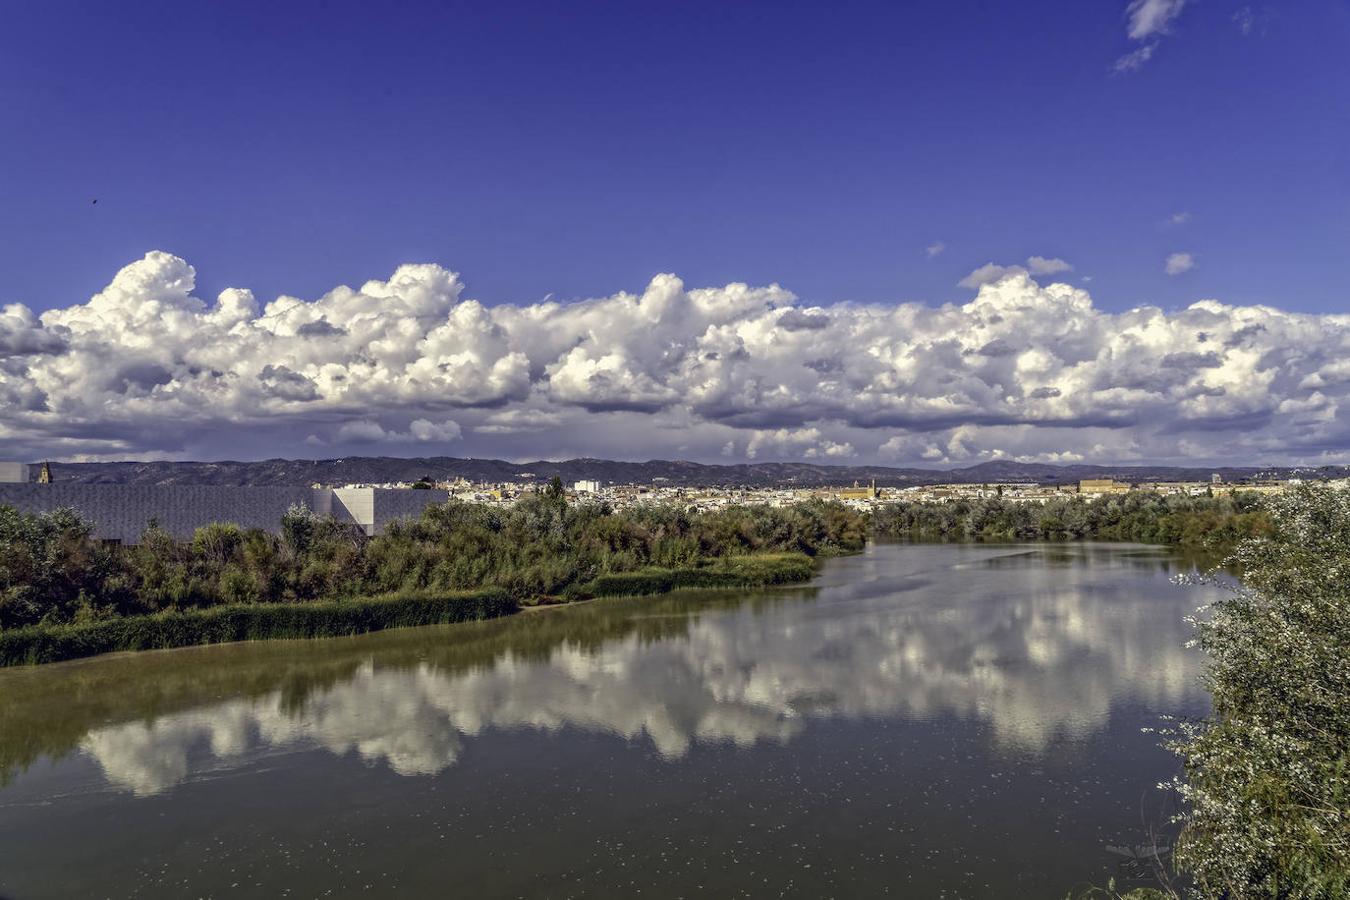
380	469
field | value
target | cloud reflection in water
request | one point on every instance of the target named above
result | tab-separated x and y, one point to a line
1039	644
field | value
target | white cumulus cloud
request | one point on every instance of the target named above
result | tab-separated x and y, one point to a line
807	443
1178	263
365	431
1039	265
1023	370
990	273
986	274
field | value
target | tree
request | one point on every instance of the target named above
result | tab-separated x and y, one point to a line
298	527
47	562
1267	774
555	490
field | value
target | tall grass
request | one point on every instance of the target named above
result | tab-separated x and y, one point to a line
741	571
247	622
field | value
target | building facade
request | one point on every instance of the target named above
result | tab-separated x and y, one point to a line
122	512
1102	486
13	473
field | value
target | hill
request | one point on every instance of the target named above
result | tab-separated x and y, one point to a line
380	469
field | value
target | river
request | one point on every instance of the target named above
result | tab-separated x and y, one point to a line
921	721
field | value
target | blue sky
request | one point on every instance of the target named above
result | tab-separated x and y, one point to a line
579	149
1053	232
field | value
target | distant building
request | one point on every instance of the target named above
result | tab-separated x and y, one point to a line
374	509
587	487
1102	486
13	473
122	512
858	493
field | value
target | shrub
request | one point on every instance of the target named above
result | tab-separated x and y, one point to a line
224	624
1267	775
52	573
742	571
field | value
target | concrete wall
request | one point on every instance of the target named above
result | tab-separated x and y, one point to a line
13	473
374	508
123	511
358	504
393	504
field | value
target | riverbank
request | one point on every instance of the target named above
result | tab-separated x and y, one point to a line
761	570
54	573
232	623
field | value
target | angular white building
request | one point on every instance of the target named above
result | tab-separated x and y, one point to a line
122	512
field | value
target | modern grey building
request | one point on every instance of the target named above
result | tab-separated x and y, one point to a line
374	508
13	473
122	512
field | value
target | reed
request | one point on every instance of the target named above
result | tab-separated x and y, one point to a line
745	571
248	622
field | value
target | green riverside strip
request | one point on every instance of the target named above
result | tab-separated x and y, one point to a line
745	571
247	622
274	621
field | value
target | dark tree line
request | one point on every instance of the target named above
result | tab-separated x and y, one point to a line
1219	521
52	570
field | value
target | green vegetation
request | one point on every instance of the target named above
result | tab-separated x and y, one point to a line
1137	516
1267	775
743	571
228	623
63	594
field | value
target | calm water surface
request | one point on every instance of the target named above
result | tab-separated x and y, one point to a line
923	721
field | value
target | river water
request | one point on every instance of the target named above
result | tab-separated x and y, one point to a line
921	721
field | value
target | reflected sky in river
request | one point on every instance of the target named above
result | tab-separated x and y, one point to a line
920	719
1037	642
